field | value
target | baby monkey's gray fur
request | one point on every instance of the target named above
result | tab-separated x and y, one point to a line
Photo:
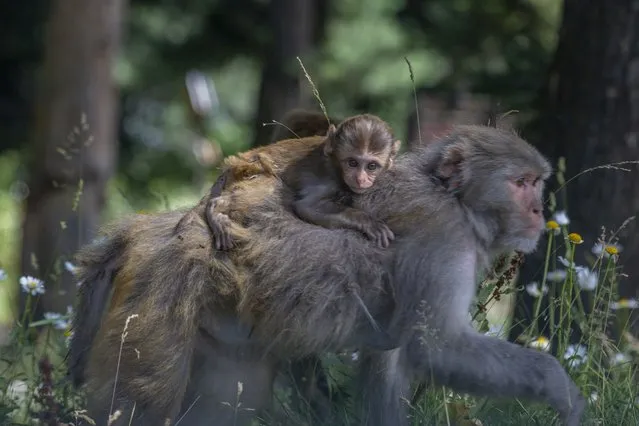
208	320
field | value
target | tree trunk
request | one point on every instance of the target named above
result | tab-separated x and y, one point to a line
73	145
590	115
20	54
296	27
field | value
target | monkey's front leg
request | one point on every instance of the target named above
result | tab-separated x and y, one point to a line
505	370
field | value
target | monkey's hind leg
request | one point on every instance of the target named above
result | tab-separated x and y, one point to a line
229	385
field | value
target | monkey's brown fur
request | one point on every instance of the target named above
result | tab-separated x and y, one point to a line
220	318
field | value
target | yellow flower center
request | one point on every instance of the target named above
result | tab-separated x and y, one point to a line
540	342
551	224
611	250
575	238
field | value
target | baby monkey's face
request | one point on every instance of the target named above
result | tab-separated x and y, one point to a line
360	168
363	147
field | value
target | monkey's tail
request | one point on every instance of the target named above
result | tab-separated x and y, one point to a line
97	265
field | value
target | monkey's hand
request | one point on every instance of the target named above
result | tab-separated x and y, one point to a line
219	223
378	232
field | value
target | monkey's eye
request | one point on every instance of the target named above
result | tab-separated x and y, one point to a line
520	182
352	163
372	166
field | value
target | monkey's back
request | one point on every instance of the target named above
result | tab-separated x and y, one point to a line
271	159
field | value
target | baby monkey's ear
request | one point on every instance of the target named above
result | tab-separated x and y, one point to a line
395	147
328	141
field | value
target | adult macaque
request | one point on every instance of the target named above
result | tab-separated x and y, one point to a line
208	320
327	174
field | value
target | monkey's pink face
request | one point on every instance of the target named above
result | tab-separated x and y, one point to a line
526	192
359	172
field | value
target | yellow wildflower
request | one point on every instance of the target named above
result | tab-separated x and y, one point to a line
612	250
624	303
541	343
575	238
553	226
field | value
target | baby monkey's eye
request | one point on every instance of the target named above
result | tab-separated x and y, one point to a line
352	163
520	182
372	166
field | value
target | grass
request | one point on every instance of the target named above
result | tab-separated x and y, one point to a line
568	298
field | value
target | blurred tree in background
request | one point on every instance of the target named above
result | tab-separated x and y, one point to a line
73	146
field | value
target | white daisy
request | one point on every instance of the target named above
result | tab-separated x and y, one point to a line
561	217
567	263
587	279
59	321
534	290
70	267
576	355
32	285
598	248
619	358
541	343
557	275
624	303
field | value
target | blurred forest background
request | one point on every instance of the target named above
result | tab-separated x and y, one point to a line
109	107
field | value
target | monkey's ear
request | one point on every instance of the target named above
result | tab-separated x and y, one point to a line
395	147
449	170
330	133
328	142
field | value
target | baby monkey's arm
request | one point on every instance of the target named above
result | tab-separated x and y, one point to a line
317	205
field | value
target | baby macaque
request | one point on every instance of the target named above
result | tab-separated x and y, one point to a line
337	167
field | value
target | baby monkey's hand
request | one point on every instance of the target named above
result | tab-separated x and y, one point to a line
220	224
378	231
